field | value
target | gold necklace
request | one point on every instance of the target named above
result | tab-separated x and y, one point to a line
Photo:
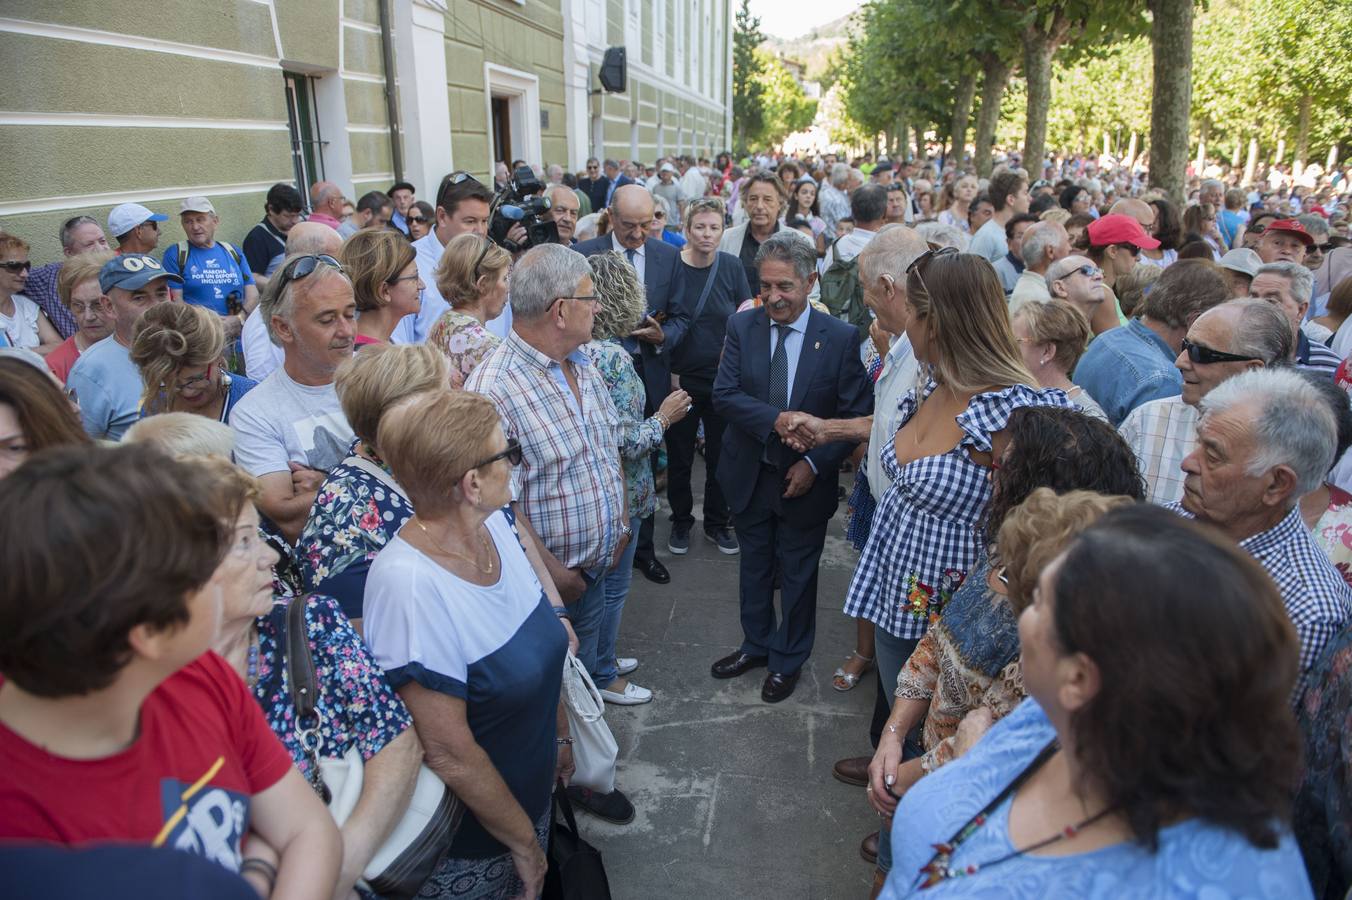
469	559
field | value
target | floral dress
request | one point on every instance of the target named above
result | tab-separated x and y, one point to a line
357	706
464	340
639	437
358	509
1322	816
1333	531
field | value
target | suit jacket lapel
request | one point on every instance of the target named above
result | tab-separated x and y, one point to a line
814	339
758	355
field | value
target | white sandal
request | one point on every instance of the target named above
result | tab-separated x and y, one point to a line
851	680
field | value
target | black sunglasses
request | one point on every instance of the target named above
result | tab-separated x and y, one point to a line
1206	356
923	259
512	454
488	245
421	220
17	265
450	181
305	266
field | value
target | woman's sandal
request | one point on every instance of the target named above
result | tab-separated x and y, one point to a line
850	680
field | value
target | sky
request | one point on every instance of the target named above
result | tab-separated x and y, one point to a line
791	18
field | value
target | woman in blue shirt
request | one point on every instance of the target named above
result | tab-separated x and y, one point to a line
180	350
1157	753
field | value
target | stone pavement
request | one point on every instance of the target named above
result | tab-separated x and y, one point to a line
734	797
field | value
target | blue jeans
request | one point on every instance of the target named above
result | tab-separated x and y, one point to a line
892	652
616	583
587	612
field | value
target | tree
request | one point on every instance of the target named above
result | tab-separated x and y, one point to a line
1171	96
748	112
785	107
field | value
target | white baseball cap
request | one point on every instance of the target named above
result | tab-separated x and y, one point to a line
127	216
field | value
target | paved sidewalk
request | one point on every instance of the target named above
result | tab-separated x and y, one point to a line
734	796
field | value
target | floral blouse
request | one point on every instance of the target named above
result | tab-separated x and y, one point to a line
464	340
354	516
1322	816
1333	531
638	436
357	706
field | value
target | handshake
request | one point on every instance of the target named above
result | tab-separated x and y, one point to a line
801	432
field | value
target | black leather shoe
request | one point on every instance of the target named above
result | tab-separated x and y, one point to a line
653	570
778	687
735	664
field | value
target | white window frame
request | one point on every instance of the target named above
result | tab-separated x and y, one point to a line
522	91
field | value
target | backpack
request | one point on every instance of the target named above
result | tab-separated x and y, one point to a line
229	248
842	293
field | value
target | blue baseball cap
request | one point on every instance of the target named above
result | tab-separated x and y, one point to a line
133	271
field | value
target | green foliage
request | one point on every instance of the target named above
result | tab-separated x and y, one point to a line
748	109
785	108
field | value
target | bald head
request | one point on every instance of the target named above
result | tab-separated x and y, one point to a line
631	212
313	237
326	197
1139	210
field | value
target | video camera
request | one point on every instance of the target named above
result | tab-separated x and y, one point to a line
522	202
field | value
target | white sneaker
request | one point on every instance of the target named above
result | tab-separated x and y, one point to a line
625	664
633	695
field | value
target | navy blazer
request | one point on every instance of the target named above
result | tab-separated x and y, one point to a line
664	283
830	383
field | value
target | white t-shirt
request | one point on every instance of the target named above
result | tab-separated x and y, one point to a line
990	241
281	421
21	329
261	356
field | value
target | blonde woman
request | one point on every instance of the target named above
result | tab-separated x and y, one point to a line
385	282
956	202
180	350
1052	337
472	277
77	285
622	308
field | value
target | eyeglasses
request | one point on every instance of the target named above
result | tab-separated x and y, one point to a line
488	245
1088	271
513	454
17	265
195	380
593	299
923	259
1130	248
421	220
1322	248
304	267
413	277
450	181
1206	356
153	225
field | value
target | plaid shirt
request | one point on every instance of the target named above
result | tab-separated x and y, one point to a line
41	289
1315	595
569	481
926	528
1161	433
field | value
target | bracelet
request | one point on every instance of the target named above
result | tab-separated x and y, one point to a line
562	613
262	867
662	420
891	728
564	741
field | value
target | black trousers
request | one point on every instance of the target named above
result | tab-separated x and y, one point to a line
680	463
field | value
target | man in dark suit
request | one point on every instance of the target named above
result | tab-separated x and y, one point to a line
659	268
781	358
615	175
596	186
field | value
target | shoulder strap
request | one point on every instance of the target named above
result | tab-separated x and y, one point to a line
708	286
300	670
234	254
376	472
182	256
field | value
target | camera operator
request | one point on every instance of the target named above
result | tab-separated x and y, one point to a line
463	205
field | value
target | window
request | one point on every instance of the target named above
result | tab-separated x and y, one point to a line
307	144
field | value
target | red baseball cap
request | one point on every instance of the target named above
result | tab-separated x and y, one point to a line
1120	229
1292	226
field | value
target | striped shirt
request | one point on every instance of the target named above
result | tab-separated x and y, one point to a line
1315	357
569	481
1161	433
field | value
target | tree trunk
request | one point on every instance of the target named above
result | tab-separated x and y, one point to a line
1038	48
1281	152
1302	135
962	113
1131	151
1200	163
1332	162
994	78
1251	164
1171	99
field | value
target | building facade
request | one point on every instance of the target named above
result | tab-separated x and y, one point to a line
101	103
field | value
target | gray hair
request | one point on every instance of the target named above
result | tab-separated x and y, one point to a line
68	229
1315	224
1211	183
555	169
544	274
943	235
840	175
280	299
793	248
660	202
184	435
1293	425
1038	238
1261	330
1300	278
891	252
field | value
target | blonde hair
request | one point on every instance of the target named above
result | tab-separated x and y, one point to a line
1055	214
228	487
169	337
623	301
968	322
1131	287
431	440
184	435
1038	529
78	269
705	205
371	258
1060	324
457	280
380	376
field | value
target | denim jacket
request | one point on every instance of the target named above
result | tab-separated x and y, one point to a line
1126	367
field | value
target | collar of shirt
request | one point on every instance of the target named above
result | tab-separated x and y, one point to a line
623	250
1278	535
799	324
325	219
577	357
1302	347
1138	328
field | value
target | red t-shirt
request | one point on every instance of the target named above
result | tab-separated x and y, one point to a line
204	750
62	359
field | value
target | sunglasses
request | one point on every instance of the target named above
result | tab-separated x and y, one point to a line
1206	356
513	454
923	259
450	181
304	267
488	245
421	220
1130	248
1088	271
17	265
1322	248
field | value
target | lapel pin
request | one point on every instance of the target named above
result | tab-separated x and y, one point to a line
817	346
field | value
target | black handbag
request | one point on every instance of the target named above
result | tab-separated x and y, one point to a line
575	868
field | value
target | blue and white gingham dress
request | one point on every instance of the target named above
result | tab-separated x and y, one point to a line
924	535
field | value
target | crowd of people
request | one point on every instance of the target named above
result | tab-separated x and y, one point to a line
318	519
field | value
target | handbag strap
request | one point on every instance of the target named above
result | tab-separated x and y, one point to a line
300	670
376	472
708	286
565	806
